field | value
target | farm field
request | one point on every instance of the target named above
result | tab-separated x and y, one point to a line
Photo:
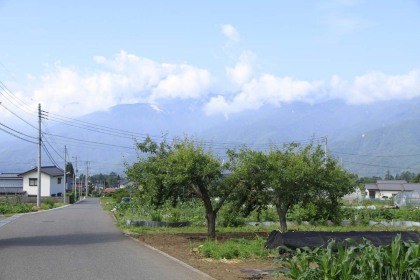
183	246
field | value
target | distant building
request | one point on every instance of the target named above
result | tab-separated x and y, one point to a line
11	183
125	183
388	189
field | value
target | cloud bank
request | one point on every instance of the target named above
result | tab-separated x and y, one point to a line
128	78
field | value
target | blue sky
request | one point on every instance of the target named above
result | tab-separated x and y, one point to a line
74	57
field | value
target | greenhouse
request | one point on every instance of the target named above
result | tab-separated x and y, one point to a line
407	198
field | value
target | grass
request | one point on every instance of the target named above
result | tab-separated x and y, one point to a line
237	248
9	207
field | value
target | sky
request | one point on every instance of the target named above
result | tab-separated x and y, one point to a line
77	57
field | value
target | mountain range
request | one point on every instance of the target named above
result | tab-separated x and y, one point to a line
367	139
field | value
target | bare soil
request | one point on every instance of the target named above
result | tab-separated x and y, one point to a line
184	248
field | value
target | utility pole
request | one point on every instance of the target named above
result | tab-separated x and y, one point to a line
86	178
38	197
74	183
65	173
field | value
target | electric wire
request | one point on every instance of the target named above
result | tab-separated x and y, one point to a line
17	136
48	154
13	99
18	131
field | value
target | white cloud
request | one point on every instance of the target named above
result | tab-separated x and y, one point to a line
126	78
243	70
271	90
185	82
377	86
345	25
230	33
267	89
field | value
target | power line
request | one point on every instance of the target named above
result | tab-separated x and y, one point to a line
25	121
373	155
48	154
18	131
13	99
17	136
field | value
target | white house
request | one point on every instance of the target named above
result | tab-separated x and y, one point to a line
388	189
52	181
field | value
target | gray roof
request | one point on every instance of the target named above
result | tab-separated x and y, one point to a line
10	180
53	171
9	176
393	185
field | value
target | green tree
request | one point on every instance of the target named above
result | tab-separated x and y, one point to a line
405	175
416	179
170	170
288	177
69	169
388	175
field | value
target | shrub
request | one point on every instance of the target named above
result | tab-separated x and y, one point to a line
230	218
119	194
49	201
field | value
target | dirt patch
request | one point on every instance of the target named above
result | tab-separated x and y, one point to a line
184	247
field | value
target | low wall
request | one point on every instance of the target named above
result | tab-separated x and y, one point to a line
31	199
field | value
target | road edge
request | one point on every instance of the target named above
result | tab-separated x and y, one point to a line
165	254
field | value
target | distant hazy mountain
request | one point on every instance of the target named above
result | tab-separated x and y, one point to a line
368	139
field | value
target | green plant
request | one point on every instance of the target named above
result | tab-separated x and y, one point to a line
119	194
400	260
49	201
239	248
228	217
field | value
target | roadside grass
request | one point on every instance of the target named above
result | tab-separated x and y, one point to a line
10	208
222	248
236	248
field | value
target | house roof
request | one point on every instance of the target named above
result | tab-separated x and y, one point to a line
53	171
10	180
392	185
10	176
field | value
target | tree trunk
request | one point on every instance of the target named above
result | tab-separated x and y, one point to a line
211	224
282	217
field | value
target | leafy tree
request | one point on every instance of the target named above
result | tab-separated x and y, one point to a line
170	170
367	180
69	169
416	179
288	177
388	175
405	175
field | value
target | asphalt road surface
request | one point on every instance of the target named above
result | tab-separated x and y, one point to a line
79	242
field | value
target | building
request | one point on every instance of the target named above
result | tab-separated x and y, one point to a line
11	183
387	189
52	181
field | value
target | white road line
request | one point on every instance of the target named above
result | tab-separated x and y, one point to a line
10	219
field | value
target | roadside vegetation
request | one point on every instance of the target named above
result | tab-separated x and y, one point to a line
14	205
399	260
293	187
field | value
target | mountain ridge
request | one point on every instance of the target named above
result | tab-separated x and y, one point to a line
343	124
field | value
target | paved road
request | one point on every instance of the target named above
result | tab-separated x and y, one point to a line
79	242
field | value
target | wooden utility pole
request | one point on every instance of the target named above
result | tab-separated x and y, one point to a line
65	174
38	198
86	178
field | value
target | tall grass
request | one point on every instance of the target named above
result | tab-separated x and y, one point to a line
10	207
400	260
